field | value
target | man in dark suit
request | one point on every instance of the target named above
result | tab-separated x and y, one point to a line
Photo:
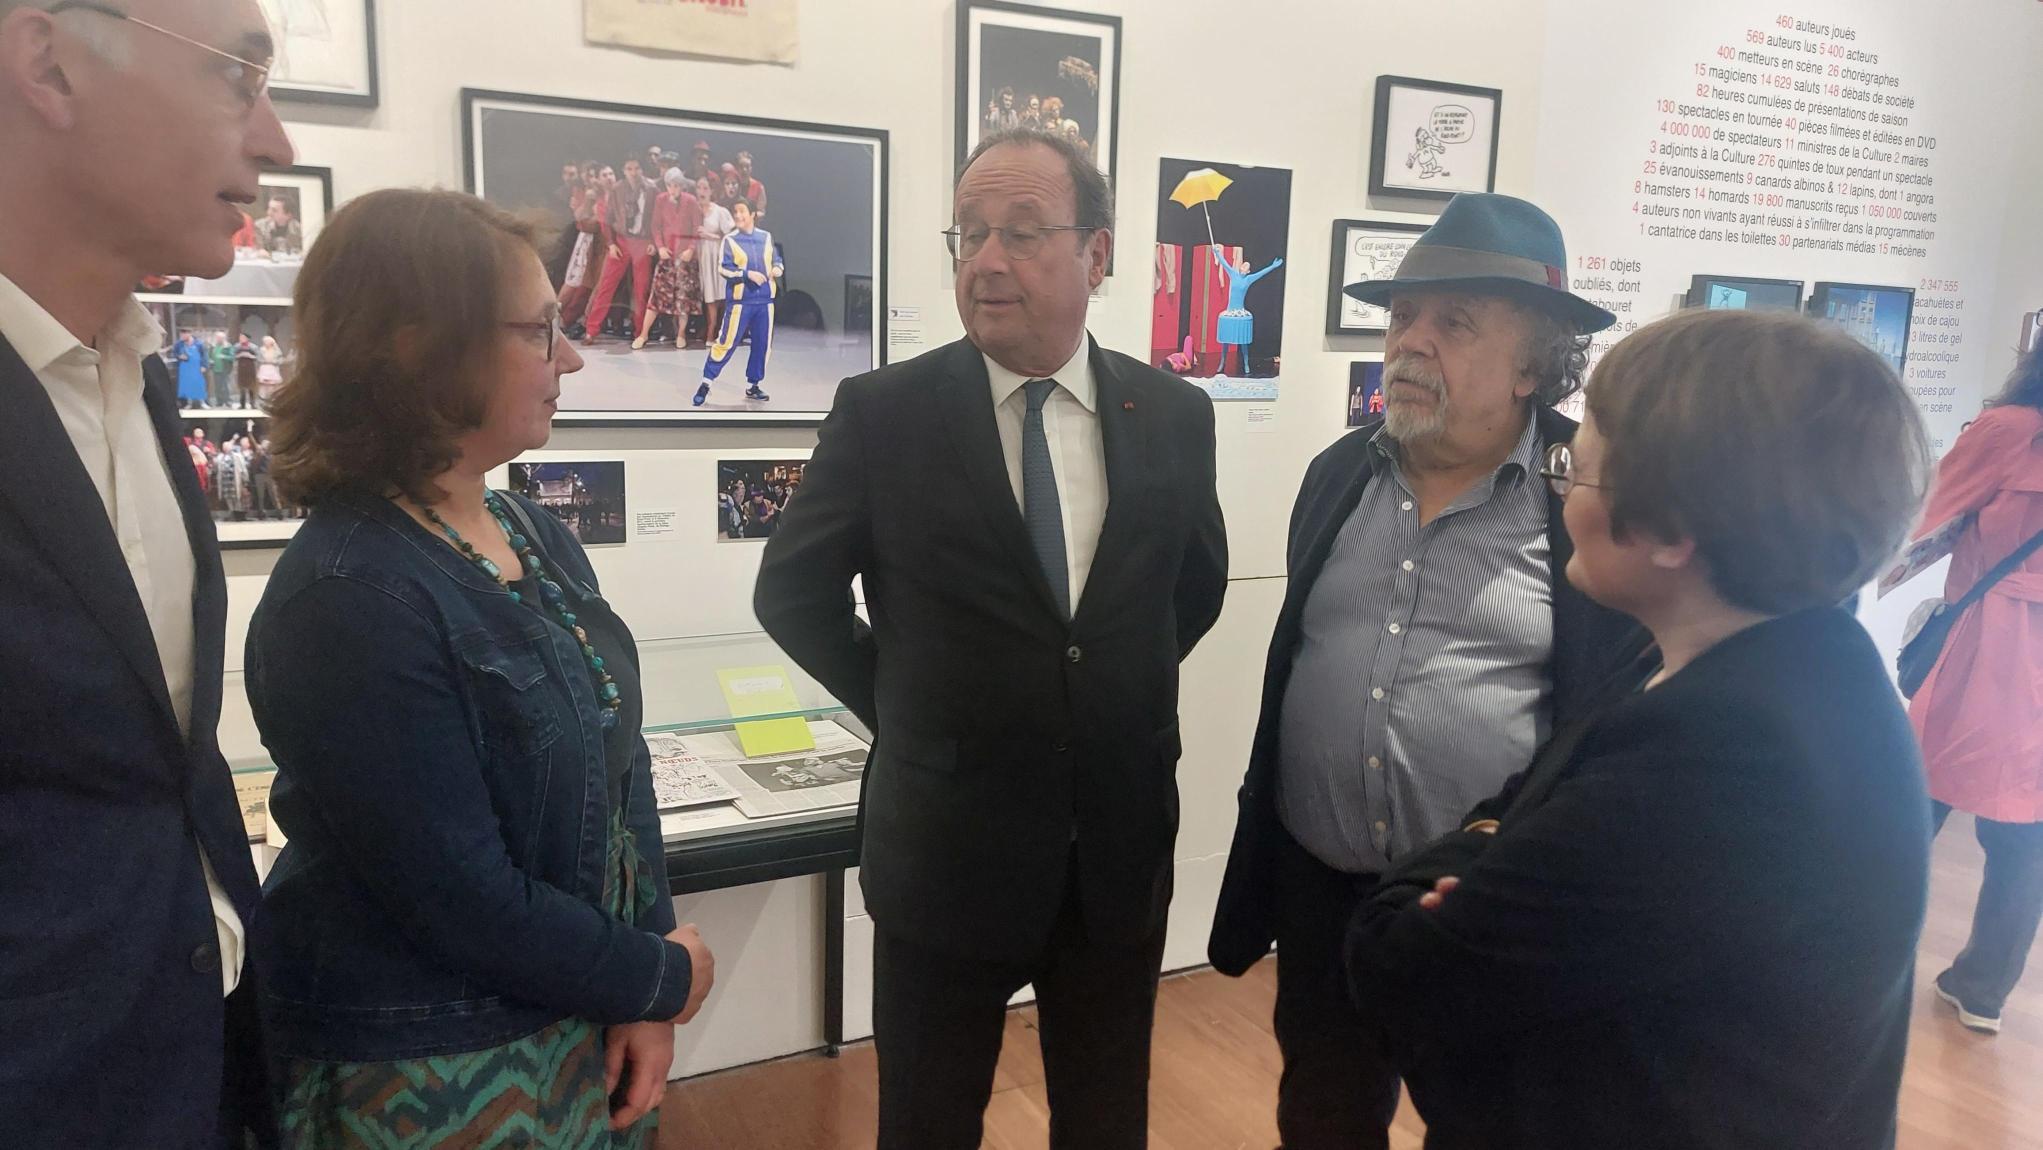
1428	641
1036	524
133	136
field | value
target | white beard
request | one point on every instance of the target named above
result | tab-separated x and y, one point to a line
1407	424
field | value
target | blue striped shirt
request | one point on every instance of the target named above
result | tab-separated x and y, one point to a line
1420	682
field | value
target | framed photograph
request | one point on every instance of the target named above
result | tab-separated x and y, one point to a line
751	494
1365	390
290	208
1433	139
2032	332
226	358
1875	315
231	455
587	497
1020	66
1364	250
726	296
1218	296
326	51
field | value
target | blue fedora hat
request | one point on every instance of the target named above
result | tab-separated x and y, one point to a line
1495	245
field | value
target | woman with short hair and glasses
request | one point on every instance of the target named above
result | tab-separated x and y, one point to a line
469	936
1692	921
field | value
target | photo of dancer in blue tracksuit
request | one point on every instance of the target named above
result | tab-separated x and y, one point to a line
752	269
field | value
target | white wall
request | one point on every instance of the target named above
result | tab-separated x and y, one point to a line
1286	84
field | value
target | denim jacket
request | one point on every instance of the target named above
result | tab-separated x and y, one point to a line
440	775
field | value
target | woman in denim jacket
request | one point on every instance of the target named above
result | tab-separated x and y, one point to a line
469	937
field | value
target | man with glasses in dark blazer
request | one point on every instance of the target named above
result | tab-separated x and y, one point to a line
135	135
1035	521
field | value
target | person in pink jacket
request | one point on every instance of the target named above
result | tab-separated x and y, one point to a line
1980	712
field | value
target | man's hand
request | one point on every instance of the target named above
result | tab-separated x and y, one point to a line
701	968
756	278
638	1054
1432	899
616	253
665	254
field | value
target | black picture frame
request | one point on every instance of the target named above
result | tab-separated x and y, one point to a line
369	97
1339	315
1818	307
1383	130
476	100
966	111
1699	286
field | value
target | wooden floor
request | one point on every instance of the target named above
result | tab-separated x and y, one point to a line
1215	1068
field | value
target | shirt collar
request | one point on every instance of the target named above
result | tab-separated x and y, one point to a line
1074	377
1522	462
40	340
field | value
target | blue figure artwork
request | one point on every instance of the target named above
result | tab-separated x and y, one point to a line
1237	328
191	372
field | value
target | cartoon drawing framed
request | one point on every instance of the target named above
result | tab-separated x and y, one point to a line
1364	250
326	51
1433	139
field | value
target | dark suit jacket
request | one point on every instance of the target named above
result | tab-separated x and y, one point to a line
112	1026
1590	644
1009	741
1695	927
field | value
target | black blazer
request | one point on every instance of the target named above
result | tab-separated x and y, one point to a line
1009	741
1591	643
111	1020
1695	927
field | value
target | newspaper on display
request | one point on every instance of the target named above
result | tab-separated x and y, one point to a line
709	767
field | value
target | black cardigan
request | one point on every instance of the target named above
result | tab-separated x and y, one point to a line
1696	926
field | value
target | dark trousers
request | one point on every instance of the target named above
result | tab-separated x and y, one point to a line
2005	918
1338	1090
938	1020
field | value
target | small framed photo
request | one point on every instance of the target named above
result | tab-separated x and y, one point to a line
290	208
1020	66
587	496
1434	139
1364	250
1365	390
751	495
326	51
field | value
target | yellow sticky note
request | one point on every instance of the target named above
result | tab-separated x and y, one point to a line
765	691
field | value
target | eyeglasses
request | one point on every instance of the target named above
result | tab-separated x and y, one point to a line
1559	471
550	325
1020	243
250	79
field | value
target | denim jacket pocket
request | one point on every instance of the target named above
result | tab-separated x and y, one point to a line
518	715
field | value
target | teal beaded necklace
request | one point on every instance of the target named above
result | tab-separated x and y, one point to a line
554	599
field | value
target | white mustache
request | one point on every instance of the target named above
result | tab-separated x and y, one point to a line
1410	372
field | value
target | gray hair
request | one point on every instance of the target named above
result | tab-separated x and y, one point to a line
1555	355
1089	187
675	176
101	36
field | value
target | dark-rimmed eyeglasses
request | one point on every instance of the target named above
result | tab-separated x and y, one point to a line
250	79
550	326
1559	471
1021	242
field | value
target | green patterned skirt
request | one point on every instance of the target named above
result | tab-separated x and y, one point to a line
544	1090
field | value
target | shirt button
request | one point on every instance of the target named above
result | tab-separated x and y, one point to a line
1397	629
1060	746
206	959
1074	653
1375	764
1381	826
1410	566
1377	694
1408	505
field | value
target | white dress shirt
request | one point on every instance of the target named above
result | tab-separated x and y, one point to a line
1078	455
98	396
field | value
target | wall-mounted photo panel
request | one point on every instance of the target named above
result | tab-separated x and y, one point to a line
751	495
226	358
1365	390
1364	250
326	51
728	295
1020	66
290	208
231	456
1218	301
587	497
1432	139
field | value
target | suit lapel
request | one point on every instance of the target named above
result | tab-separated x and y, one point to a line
1125	434
967	403
209	580
64	515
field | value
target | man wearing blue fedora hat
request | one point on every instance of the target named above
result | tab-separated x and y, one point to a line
1428	642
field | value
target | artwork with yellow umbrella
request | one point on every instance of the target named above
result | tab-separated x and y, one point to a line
1218	275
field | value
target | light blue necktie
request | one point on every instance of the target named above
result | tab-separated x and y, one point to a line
1041	511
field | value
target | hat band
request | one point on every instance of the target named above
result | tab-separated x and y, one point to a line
1444	262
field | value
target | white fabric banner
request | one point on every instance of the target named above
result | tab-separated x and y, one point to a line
732	29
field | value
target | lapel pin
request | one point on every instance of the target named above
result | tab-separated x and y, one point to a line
1128	405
